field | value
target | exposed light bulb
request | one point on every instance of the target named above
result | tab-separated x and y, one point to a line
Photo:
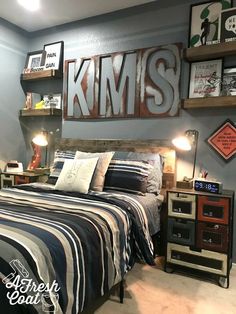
182	143
40	140
31	5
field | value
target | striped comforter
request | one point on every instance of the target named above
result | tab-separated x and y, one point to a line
60	252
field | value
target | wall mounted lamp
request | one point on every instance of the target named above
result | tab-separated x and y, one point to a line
187	142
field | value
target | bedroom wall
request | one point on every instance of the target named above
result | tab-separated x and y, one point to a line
155	24
13	47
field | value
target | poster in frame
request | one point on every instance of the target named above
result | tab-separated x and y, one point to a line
52	101
227	25
33	61
205	78
204	19
223	140
229	82
53	55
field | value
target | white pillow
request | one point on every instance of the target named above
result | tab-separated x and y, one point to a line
76	175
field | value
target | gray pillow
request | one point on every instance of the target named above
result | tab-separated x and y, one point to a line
101	168
154	182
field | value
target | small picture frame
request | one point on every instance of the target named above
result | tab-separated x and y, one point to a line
53	55
52	101
227	25
33	61
205	78
229	82
204	19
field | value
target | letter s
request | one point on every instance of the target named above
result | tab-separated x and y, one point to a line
164	87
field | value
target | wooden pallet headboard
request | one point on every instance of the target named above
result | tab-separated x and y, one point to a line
163	147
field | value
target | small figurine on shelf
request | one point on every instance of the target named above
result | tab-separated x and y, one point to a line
28	101
205	31
39	105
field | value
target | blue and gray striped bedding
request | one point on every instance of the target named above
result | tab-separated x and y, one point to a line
81	244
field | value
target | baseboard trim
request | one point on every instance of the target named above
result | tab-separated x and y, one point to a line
234	264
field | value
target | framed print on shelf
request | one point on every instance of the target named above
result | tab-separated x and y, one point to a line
205	78
53	54
52	101
33	61
227	25
229	82
204	19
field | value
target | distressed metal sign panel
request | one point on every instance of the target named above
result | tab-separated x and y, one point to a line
134	84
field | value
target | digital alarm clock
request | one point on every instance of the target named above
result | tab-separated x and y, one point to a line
208	186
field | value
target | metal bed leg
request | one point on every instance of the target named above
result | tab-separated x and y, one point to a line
122	291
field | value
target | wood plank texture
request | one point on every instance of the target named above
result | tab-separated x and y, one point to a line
163	147
40	75
209	102
40	112
206	52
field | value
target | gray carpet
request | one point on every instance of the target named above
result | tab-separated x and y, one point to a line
149	290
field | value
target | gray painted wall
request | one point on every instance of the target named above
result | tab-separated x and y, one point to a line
158	23
13	47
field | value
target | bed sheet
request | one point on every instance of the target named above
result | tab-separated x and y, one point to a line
61	251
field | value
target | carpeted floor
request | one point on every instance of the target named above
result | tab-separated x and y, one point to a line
149	290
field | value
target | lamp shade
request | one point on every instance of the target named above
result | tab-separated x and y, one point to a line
40	139
182	142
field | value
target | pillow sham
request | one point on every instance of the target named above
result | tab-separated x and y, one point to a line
154	181
128	176
76	175
59	158
104	159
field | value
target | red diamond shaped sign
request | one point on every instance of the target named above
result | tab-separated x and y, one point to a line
223	140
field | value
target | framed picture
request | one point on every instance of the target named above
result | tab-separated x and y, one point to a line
52	101
227	25
53	55
204	19
223	140
229	82
33	61
205	78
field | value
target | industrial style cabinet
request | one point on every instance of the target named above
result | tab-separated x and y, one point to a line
200	233
8	179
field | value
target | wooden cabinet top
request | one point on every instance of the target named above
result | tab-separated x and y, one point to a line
225	193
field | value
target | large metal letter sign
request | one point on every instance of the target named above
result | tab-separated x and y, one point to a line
133	84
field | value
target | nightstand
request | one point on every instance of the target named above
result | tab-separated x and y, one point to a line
200	233
9	179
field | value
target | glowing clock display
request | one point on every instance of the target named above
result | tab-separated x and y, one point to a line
208	186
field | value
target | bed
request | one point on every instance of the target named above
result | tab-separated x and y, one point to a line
61	249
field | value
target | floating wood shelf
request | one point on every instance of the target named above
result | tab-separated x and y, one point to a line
46	74
210	51
40	112
209	102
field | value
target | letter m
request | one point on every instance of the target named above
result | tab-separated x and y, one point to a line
117	85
